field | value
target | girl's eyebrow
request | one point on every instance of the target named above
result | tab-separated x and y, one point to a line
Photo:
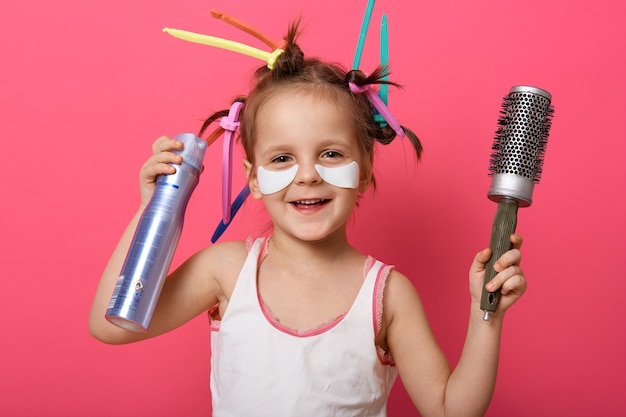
336	144
324	144
282	148
272	152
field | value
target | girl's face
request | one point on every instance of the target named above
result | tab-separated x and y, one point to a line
305	129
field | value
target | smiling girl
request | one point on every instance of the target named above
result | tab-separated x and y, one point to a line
303	324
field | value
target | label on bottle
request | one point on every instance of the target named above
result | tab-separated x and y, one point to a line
116	292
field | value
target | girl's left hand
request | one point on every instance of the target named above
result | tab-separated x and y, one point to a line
509	279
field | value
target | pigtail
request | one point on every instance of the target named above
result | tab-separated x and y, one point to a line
216	117
210	120
385	135
381	132
417	145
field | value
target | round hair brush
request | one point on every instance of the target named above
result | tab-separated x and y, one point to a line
515	167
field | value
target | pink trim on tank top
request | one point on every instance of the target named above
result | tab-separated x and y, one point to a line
274	321
214	320
324	327
377	305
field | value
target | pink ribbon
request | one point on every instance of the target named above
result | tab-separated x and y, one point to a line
230	124
378	105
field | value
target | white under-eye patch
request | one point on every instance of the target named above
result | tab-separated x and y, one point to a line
271	182
346	176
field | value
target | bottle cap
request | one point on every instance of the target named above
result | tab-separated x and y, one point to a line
193	150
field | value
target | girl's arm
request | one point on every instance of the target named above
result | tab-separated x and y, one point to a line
188	291
434	388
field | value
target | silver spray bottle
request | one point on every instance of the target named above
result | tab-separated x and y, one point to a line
154	243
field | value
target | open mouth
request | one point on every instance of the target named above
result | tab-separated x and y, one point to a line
310	203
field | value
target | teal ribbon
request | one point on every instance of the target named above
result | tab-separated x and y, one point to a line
364	25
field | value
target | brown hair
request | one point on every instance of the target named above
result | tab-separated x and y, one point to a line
294	71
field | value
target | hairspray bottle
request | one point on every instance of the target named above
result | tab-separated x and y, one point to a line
154	243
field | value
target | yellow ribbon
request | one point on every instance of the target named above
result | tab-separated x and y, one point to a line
269	57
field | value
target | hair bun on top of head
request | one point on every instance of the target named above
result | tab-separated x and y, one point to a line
291	60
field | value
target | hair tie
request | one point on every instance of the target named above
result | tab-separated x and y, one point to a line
221	227
243	26
364	25
378	105
230	124
269	57
383	91
384	62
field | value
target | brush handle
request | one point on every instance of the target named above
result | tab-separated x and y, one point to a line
504	223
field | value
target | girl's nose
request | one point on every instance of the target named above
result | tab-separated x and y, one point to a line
307	174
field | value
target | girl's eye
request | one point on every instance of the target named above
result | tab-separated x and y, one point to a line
281	159
331	155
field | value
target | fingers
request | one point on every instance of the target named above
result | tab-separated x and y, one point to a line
511	279
511	257
514	285
158	164
516	240
162	156
165	143
480	260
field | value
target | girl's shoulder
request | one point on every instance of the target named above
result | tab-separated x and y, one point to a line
222	262
400	297
225	255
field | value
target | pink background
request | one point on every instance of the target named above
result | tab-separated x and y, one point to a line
86	86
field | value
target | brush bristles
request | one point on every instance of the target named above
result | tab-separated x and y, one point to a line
522	136
543	142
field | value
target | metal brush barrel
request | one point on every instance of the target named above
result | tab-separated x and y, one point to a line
517	156
515	165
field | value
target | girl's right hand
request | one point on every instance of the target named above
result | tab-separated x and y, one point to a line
158	164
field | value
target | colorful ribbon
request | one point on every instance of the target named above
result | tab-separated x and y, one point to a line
269	57
362	34
382	114
383	92
378	105
230	124
221	227
243	26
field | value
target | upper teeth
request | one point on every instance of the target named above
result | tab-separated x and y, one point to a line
308	201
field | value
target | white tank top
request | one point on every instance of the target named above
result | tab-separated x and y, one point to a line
261	369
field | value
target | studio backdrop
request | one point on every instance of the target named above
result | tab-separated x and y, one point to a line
87	86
